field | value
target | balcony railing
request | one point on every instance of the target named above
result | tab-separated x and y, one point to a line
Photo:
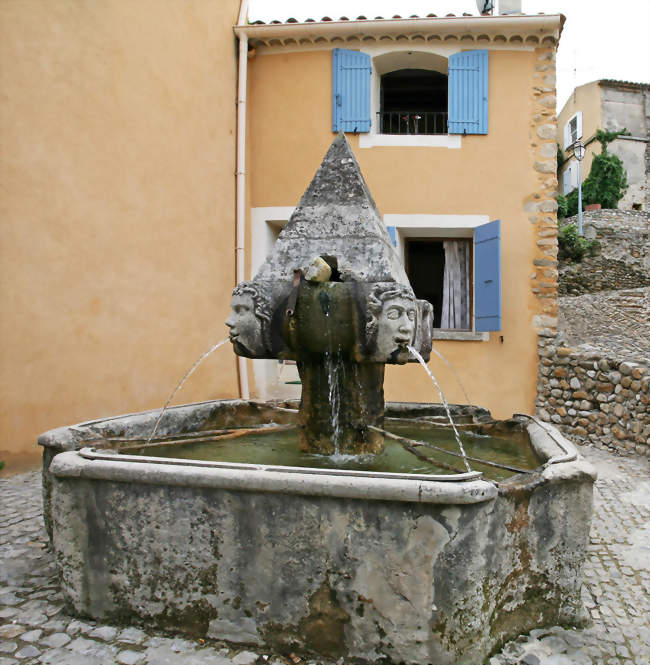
413	122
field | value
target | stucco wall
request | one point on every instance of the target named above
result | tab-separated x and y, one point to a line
627	108
508	174
117	124
585	98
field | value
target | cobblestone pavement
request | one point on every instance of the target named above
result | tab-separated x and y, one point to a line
616	321
34	627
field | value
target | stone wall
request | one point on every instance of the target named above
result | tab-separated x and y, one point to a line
623	261
540	205
594	397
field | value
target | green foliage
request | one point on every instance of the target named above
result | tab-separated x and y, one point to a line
607	181
573	247
572	203
560	159
562	206
604	138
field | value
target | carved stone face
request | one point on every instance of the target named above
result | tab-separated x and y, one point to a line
396	326
245	327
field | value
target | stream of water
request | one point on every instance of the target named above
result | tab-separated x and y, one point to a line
453	371
444	403
179	385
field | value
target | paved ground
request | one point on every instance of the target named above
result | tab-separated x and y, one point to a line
35	629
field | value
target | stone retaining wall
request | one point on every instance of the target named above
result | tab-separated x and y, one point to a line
593	397
623	261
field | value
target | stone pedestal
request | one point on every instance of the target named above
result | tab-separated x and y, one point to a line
340	398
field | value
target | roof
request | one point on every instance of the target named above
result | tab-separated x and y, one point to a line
519	29
613	83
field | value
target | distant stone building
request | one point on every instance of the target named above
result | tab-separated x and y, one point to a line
611	106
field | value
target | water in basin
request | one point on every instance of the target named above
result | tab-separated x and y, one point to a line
281	448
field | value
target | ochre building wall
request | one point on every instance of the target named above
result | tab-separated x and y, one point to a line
508	174
585	98
117	124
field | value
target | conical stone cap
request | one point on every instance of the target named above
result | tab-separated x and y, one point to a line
336	217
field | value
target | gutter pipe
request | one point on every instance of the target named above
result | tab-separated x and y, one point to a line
240	179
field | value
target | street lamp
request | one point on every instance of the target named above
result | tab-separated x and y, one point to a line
579	154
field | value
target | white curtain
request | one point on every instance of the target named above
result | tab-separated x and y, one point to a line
455	288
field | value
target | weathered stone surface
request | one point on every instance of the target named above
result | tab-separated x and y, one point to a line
344	576
547	131
336	216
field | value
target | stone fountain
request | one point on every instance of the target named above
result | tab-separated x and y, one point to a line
378	566
333	296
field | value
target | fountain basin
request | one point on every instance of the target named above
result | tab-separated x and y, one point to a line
337	563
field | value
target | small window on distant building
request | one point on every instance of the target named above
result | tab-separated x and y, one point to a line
573	130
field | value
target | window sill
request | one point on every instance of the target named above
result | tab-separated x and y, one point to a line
451	141
461	335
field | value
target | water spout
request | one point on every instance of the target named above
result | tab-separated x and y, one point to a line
444	403
181	382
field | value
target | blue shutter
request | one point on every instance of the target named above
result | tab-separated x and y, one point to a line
468	93
487	277
350	91
392	232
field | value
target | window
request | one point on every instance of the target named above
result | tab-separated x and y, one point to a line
440	272
412	92
413	101
570	178
456	269
573	130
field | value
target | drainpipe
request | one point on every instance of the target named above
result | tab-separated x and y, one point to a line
240	196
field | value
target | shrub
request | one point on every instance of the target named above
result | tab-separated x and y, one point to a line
607	181
571	246
562	206
572	203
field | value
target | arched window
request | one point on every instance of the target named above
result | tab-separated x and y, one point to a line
413	101
412	92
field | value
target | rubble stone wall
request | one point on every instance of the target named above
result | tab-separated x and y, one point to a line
594	397
623	260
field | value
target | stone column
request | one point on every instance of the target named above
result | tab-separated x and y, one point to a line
340	398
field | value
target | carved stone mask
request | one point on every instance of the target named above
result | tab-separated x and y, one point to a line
395	326
245	327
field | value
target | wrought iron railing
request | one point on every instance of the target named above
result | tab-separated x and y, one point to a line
413	122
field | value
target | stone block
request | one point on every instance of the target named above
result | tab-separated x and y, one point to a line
547	132
614	377
546	166
626	368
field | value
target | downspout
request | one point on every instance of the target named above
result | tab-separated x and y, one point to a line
240	196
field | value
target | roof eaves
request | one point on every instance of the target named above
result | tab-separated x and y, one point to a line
541	29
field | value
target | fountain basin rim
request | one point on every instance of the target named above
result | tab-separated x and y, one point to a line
91	453
258	478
